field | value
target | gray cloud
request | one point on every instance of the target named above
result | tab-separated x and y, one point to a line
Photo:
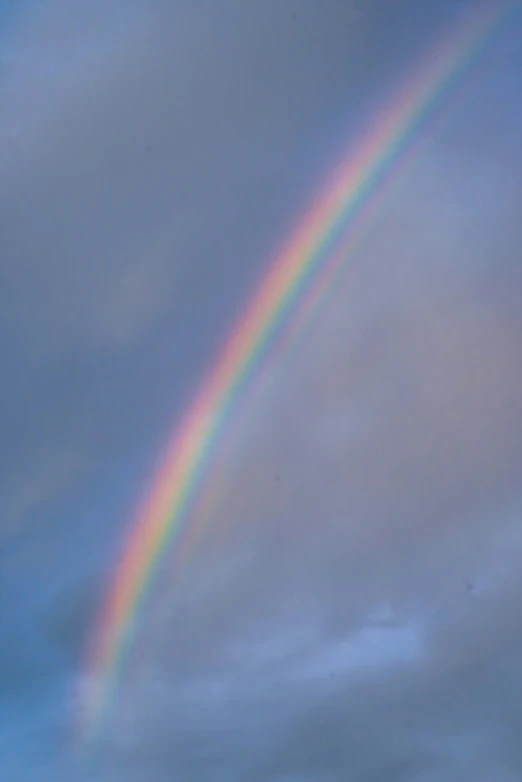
133	156
352	607
403	527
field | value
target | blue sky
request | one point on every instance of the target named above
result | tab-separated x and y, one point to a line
357	616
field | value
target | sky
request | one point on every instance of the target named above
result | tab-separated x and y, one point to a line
352	610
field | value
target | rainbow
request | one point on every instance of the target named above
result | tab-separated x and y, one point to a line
295	281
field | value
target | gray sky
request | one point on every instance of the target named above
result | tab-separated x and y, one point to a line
352	610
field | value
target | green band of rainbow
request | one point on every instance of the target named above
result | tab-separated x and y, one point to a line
298	275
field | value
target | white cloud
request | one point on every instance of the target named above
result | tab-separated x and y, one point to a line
370	647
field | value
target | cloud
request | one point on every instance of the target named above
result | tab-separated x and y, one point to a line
372	535
352	607
142	174
47	475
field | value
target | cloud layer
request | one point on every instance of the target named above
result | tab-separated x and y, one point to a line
352	609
